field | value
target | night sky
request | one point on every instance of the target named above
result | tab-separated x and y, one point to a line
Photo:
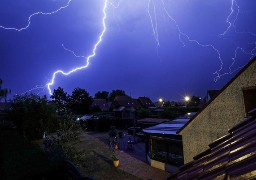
128	56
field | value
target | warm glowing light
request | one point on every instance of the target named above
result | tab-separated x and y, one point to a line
160	100
187	98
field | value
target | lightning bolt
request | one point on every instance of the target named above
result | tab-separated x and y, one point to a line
235	7
87	58
35	14
35	88
152	14
233	3
182	36
72	52
154	25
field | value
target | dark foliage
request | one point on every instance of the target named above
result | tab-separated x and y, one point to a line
115	93
101	95
80	101
60	98
33	115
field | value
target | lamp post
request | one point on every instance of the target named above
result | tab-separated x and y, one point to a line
187	99
161	101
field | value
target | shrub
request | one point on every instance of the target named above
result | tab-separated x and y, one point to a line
33	115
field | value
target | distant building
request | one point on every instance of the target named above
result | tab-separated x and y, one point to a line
102	104
125	107
125	101
146	102
221	113
125	113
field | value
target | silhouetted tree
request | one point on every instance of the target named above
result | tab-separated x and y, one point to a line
80	101
101	95
33	115
115	93
60	98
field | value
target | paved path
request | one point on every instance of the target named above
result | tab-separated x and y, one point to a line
140	169
130	163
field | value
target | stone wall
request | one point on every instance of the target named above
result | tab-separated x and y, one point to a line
226	110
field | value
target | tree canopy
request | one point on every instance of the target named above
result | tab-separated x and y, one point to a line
60	98
33	115
80	101
101	95
115	93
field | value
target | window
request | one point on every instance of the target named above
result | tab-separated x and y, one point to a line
249	99
167	150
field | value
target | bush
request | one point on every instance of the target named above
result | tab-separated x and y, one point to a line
33	115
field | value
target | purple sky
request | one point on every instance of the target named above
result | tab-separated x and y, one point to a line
128	56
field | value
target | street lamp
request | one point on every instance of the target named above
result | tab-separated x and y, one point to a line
161	101
187	98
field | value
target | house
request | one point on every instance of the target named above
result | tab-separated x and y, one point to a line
146	102
125	107
230	157
221	113
125	101
125	113
164	148
102	104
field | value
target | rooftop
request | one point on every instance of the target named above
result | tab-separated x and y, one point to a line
169	127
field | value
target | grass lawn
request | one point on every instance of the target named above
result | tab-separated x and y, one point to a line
21	159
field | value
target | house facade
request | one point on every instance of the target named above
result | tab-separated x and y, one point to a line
221	113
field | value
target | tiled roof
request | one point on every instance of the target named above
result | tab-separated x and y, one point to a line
126	101
232	156
146	102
